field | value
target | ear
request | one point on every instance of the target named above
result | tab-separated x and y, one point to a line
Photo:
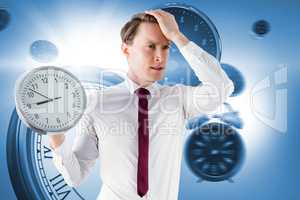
125	49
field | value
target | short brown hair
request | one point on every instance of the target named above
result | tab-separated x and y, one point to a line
130	29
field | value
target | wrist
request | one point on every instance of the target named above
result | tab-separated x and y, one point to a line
179	39
56	140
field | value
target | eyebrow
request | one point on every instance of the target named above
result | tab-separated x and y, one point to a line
150	41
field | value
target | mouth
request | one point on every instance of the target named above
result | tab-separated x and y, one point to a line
157	68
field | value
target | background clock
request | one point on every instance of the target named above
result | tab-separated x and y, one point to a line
4	18
214	152
43	51
199	29
50	99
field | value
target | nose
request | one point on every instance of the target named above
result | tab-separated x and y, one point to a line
158	56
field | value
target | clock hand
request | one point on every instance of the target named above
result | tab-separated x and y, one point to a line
46	101
39	93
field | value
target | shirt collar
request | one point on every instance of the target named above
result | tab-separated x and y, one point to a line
132	86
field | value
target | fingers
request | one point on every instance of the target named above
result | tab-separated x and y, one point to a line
158	13
154	13
166	21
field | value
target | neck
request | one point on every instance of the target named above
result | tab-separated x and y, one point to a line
137	80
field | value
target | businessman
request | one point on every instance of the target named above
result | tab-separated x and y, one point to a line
136	127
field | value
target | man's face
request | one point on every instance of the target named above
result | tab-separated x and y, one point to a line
148	54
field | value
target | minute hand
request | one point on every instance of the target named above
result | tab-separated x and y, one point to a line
39	93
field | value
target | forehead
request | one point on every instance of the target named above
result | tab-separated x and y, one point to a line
150	32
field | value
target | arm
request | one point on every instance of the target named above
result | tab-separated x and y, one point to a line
215	87
74	159
57	140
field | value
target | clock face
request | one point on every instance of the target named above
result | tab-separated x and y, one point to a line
50	99
214	152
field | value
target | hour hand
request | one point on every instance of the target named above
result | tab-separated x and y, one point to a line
46	101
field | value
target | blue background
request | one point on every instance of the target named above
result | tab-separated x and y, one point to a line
271	169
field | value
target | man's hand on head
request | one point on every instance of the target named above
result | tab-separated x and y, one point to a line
169	26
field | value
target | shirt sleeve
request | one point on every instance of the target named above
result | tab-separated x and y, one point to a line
74	158
215	87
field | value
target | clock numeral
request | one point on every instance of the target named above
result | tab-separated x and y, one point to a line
30	94
204	42
66	86
60	186
35	86
47	152
181	19
47	120
58	120
28	105
45	80
73	94
36	116
196	28
76	113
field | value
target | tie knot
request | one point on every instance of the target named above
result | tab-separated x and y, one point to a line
142	92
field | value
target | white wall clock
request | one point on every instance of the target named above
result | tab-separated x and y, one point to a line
49	99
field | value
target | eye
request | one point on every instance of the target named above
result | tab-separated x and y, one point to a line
151	46
166	47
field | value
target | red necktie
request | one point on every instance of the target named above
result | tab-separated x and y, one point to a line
143	138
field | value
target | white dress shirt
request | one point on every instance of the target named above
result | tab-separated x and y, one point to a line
108	131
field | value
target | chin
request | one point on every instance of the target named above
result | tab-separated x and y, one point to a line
156	77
